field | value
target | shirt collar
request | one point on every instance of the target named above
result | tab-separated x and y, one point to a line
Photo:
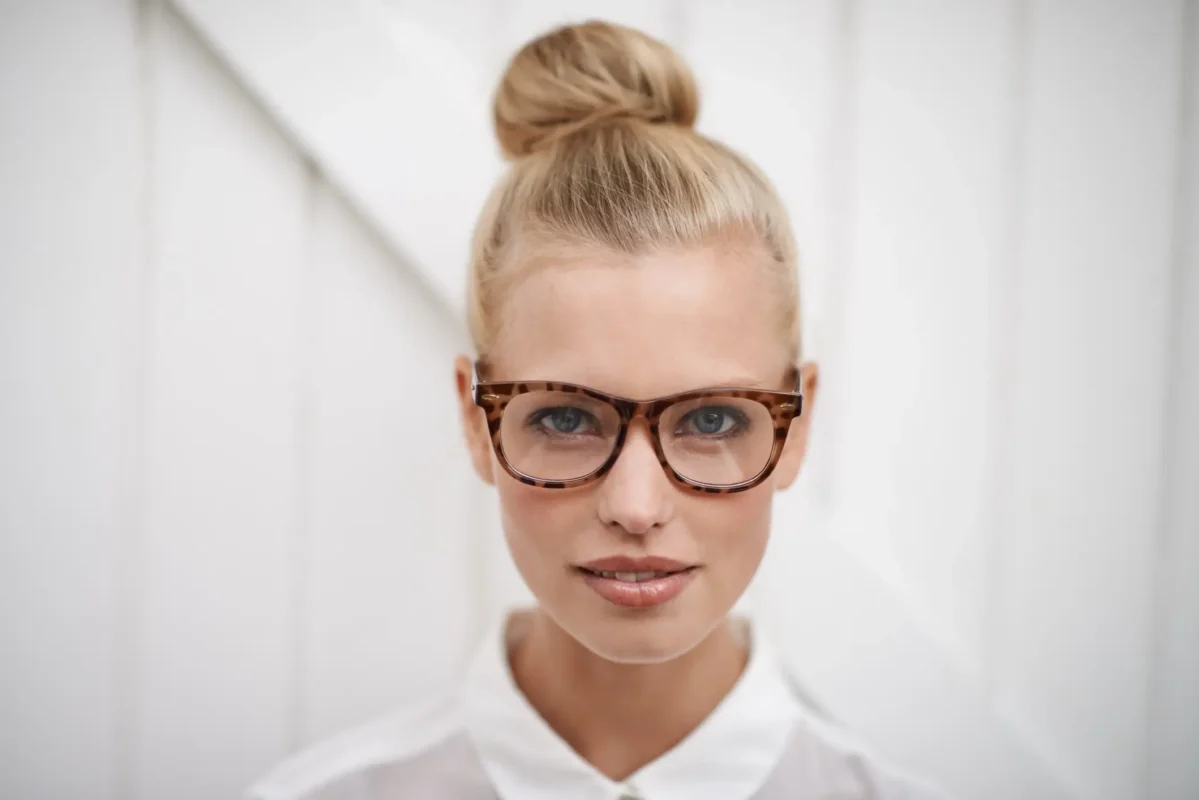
728	757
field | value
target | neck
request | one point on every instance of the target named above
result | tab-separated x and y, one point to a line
620	717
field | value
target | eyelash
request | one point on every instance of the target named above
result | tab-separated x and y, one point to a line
535	420
740	422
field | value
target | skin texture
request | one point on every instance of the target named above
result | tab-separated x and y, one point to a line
622	685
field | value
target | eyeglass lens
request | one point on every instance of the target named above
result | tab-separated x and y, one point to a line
559	436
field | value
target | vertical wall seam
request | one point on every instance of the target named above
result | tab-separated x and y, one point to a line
1006	281
304	331
840	191
1160	566
129	581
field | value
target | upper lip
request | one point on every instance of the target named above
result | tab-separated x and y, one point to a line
629	564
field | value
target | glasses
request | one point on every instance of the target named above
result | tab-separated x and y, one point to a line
561	435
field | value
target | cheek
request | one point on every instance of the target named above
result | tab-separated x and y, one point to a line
538	524
732	529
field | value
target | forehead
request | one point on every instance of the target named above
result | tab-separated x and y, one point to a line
643	326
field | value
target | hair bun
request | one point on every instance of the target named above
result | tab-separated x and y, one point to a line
581	75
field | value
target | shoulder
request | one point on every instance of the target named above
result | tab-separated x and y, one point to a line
412	749
822	754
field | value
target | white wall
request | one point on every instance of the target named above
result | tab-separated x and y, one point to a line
231	478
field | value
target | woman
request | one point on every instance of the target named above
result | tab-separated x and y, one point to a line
622	256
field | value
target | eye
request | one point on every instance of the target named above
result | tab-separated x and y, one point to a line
563	420
712	421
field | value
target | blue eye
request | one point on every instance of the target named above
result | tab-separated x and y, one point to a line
563	420
712	421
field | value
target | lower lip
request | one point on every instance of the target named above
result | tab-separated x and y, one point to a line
640	594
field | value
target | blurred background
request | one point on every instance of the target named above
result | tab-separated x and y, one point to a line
235	513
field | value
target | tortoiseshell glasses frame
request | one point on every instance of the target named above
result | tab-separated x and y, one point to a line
494	396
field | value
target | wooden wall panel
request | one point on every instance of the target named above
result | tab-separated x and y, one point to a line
929	187
1080	470
230	220
1172	769
392	508
465	30
71	306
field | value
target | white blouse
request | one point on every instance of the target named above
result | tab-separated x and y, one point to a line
483	741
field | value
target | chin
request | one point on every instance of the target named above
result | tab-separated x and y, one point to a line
642	636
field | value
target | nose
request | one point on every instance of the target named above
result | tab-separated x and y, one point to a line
636	494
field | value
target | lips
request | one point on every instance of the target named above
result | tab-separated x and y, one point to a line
637	582
639	564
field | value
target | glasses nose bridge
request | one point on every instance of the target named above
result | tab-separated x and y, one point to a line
630	410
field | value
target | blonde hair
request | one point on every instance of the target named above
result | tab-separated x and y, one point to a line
597	122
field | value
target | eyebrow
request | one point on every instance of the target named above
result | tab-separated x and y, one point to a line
736	383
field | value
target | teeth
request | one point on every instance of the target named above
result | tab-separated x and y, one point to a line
631	577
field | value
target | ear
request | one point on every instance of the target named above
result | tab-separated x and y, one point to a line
474	420
796	446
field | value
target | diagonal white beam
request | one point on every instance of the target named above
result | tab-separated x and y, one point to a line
854	644
377	105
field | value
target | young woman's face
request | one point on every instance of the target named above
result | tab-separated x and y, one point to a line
640	328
